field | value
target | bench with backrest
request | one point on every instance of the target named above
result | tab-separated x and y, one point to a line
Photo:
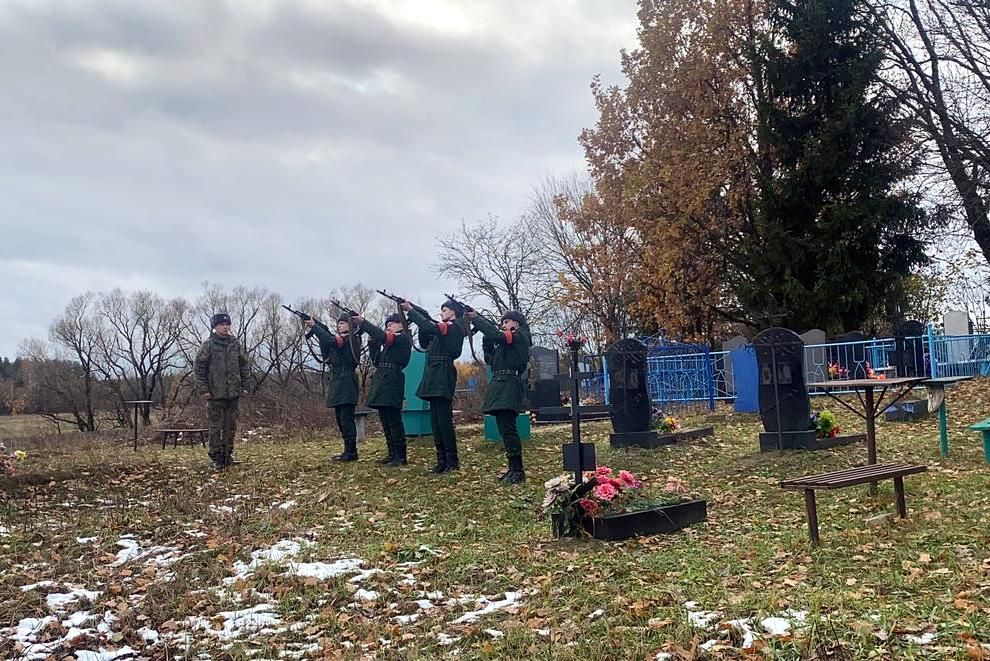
847	478
189	436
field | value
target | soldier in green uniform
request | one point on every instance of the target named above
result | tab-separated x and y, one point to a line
341	352
390	351
507	353
443	342
222	374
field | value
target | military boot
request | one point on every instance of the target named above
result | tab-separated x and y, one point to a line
452	461
390	457
350	451
515	474
441	465
399	459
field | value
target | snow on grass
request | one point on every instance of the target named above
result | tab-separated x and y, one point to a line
59	600
489	606
236	624
85	540
35	586
105	655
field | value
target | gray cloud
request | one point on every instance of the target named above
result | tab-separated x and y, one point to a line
299	146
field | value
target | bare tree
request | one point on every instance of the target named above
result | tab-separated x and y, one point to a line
940	67
503	265
58	388
78	332
139	344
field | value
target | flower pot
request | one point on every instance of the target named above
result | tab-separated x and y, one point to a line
558	525
668	519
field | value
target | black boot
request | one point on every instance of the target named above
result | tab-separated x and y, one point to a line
399	458
390	457
350	451
452	462
441	465
515	474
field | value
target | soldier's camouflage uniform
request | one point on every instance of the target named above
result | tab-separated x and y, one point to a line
222	371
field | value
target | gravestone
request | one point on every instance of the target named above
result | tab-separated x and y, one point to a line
784	405
815	355
956	322
909	349
908	359
629	398
849	351
544	386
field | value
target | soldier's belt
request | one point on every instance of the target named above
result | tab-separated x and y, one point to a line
441	360
385	366
505	373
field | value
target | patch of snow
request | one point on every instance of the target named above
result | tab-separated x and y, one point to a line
287	505
4	530
797	617
663	656
743	627
708	645
148	635
325	570
366	595
495	633
489	607
364	574
85	540
77	619
104	655
240	622
926	638
775	626
131	550
543	632
406	619
425	604
35	586
595	614
703	619
445	640
61	599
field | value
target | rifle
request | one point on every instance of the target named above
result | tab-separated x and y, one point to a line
400	300
305	317
343	308
467	308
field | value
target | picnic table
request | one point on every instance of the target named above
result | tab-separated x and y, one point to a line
871	405
936	399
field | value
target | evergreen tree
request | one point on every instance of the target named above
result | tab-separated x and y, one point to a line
832	235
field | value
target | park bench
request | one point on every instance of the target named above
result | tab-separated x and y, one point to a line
189	436
847	478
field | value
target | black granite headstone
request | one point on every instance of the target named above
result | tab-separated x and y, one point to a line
784	406
544	388
909	349
628	395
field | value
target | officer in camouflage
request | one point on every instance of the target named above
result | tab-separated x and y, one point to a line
222	373
342	352
443	342
507	353
389	351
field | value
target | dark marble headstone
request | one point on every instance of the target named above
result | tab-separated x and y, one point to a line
629	397
544	384
784	406
909	349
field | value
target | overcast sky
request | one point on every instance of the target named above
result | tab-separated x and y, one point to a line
297	146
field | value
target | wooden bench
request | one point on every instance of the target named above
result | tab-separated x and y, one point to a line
847	478
189	436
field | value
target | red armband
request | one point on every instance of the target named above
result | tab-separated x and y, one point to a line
508	336
340	341
443	326
389	338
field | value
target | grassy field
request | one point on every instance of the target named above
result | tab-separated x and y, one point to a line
291	555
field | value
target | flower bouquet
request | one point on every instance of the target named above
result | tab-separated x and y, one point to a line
825	424
615	505
8	460
837	371
572	341
664	423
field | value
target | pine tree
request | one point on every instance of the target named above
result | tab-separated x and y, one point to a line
832	233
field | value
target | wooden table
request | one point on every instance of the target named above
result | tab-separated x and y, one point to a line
936	394
872	406
137	404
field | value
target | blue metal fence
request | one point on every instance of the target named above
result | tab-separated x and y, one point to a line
692	374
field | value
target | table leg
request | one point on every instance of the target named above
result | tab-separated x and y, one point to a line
899	493
812	510
943	430
135	426
871	433
986	446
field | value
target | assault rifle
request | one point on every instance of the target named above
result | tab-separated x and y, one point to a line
464	307
399	299
344	308
305	317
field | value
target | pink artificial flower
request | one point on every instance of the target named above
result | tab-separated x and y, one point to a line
588	506
617	483
675	485
603	470
605	492
629	479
